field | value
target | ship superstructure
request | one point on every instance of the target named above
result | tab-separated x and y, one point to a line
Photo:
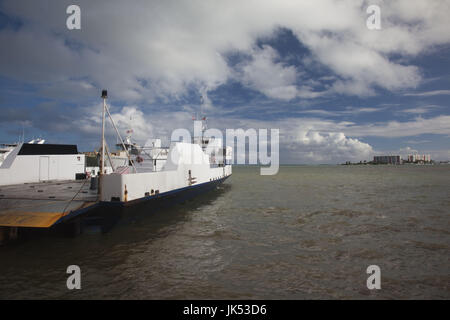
151	172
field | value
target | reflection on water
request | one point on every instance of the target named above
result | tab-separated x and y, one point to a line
308	232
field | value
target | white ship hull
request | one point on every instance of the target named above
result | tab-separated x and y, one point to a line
187	166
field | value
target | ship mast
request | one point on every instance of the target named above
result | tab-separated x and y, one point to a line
102	157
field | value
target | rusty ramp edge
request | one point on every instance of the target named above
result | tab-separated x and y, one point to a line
36	219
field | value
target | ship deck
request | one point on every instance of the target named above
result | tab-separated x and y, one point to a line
41	205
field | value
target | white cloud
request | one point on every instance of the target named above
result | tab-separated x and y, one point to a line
347	111
418	126
329	147
429	93
421	110
361	67
149	49
302	140
272	78
418	141
132	118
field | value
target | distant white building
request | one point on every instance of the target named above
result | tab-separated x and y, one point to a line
425	158
32	162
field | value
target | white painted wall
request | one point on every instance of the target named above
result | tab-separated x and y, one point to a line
30	168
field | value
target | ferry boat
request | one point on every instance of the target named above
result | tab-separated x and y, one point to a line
57	195
155	174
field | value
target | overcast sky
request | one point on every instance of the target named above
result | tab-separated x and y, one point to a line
336	90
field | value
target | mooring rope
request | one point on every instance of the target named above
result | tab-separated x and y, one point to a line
74	197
